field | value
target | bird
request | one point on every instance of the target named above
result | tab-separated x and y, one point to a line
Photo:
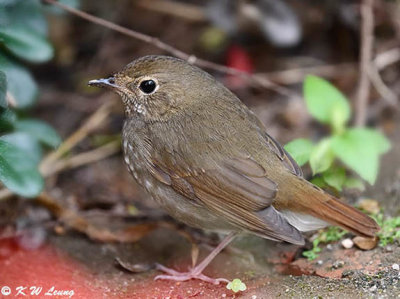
208	161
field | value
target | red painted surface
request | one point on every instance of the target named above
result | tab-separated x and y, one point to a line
48	267
44	268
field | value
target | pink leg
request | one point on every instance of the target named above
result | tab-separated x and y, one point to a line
196	272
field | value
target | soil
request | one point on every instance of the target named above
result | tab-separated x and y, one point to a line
47	252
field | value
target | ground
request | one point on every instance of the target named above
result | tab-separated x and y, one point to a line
89	216
72	262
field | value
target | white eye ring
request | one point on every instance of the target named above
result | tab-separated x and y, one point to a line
148	85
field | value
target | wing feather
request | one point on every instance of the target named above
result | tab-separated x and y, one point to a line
238	190
284	156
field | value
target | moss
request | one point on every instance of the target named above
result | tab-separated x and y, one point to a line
331	234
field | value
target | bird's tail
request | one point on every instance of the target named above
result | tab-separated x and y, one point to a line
313	201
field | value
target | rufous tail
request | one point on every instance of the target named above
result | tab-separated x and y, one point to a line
314	201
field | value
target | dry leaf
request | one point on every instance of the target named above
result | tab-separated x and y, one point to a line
134	268
370	206
365	243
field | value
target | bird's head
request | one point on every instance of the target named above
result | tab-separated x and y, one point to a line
157	87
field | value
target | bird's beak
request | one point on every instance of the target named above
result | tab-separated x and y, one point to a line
108	83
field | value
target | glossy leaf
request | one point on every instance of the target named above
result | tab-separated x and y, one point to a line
40	130
18	172
26	13
19	82
29	144
321	157
7	120
300	149
325	102
26	44
360	149
3	90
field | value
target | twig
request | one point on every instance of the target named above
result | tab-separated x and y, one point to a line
381	61
384	59
93	122
293	76
367	39
388	95
256	79
187	11
84	158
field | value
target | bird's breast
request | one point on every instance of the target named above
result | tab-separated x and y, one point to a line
136	153
133	161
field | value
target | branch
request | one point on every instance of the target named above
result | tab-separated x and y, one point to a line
367	39
294	76
186	11
85	158
387	94
384	59
96	119
255	79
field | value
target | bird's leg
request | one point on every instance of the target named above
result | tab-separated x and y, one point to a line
196	272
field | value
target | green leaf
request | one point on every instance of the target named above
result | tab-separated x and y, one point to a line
376	139
18	172
310	255
3	90
338	120
335	177
26	44
325	102
318	181
20	83
360	149
300	150
56	10
7	120
40	130
236	285
313	253
331	234
354	183
27	143
8	2
28	14
321	157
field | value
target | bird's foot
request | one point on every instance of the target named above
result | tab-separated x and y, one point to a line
193	273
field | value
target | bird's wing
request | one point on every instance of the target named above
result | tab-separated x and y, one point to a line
283	155
237	189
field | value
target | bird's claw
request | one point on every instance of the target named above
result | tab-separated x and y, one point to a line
183	276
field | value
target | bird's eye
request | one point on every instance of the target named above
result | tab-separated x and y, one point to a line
148	86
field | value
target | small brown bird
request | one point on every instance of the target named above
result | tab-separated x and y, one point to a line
208	161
